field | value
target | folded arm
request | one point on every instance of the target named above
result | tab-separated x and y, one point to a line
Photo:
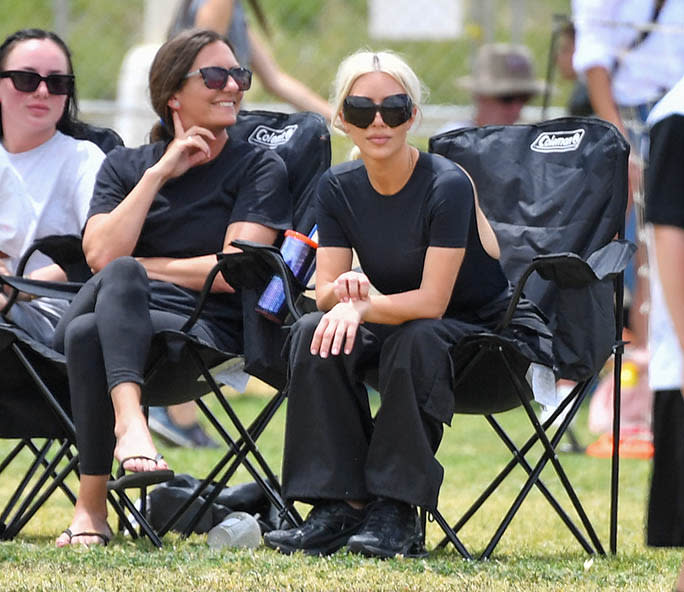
191	272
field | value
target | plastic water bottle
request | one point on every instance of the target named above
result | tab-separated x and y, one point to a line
238	529
299	252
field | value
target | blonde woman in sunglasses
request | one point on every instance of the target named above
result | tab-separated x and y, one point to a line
159	215
432	259
46	174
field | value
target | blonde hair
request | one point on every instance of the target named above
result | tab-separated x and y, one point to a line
365	61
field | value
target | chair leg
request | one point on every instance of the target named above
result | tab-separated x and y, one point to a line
248	442
19	491
238	452
70	430
533	475
550	455
450	534
32	501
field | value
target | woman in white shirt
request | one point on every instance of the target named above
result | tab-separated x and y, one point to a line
53	173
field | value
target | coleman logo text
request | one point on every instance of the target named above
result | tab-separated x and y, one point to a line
269	137
558	141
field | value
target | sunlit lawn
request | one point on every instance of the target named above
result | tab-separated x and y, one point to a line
537	552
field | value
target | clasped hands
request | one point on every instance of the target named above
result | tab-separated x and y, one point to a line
337	328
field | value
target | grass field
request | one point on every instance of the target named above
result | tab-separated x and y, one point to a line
536	553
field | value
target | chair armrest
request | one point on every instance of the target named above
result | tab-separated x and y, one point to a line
256	265
570	271
64	290
65	251
252	268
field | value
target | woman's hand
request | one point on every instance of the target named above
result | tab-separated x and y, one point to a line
6	288
187	149
338	328
351	286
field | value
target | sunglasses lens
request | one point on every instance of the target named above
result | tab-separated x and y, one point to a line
359	111
214	78
396	110
59	84
25	81
509	99
242	77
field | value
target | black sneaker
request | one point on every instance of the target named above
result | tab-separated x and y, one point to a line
325	530
391	528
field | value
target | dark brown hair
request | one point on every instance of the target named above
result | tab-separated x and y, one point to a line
68	123
167	74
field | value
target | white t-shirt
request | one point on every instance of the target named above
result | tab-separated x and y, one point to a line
58	179
16	214
665	363
606	28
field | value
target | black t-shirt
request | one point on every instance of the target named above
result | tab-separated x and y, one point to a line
665	173
391	233
190	214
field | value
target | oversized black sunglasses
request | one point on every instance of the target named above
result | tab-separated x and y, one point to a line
23	81
394	110
516	98
215	77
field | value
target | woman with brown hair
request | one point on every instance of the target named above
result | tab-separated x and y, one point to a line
159	214
228	17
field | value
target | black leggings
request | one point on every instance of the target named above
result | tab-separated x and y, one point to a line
106	335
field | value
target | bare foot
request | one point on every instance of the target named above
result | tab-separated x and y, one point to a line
134	440
85	530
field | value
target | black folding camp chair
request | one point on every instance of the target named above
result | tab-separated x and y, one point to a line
34	394
180	367
555	194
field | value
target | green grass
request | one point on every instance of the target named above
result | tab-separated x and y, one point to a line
536	553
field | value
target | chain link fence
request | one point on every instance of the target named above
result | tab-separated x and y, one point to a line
308	38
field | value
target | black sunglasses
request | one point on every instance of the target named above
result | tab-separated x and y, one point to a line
519	98
57	84
394	110
215	77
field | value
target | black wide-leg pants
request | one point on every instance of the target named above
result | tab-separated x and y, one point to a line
106	335
665	517
334	449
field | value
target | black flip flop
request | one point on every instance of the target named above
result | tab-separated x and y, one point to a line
135	479
103	537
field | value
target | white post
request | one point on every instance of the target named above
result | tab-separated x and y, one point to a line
518	21
60	12
134	113
157	19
